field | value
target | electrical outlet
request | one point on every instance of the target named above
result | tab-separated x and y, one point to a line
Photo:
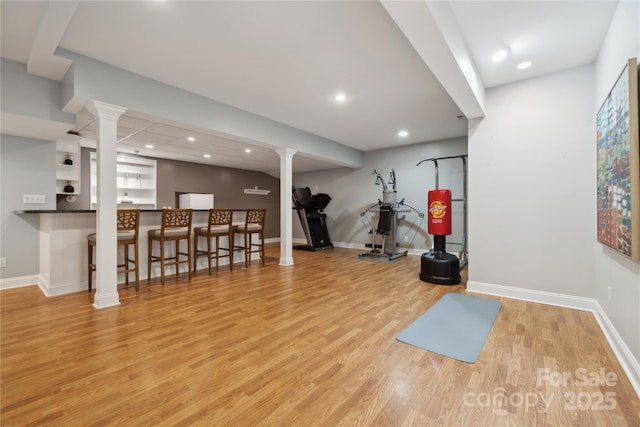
33	199
3	262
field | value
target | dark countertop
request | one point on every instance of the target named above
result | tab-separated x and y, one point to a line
44	211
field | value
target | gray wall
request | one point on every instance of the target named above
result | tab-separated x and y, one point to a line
354	190
29	95
226	184
26	167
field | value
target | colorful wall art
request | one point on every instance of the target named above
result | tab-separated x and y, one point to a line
619	164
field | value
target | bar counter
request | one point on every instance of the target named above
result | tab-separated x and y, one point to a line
65	211
63	247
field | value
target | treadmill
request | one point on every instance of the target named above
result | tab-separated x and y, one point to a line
313	219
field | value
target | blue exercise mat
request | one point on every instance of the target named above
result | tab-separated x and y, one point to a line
457	326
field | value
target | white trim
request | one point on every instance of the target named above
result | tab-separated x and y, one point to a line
18	282
361	246
349	245
41	283
62	289
542	297
416	252
628	362
286	262
106	300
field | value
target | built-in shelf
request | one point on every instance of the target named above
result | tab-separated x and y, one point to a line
135	182
256	191
68	164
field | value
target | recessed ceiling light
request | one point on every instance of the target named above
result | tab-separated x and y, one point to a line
523	65
148	146
340	97
191	138
403	134
206	156
499	55
247	150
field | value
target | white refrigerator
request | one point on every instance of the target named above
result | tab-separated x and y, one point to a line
195	201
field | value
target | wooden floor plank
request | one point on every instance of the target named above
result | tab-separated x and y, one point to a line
310	344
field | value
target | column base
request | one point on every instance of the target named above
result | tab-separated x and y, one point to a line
106	300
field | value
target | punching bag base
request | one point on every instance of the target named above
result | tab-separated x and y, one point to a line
441	268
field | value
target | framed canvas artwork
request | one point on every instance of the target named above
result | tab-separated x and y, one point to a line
618	162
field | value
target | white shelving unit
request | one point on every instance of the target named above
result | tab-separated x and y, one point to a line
68	148
136	182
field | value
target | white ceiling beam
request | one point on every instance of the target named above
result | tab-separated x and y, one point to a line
42	62
432	30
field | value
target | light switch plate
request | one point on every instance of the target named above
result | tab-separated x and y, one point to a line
33	199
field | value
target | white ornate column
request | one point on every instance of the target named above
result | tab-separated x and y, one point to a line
286	205
106	116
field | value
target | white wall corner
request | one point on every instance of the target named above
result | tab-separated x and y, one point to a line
628	362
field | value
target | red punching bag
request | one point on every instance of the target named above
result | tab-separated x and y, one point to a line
439	204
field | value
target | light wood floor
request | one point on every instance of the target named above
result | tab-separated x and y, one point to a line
313	344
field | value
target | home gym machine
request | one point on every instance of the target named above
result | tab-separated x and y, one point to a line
438	266
310	210
387	227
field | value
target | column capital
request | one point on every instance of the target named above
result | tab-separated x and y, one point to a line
102	110
285	152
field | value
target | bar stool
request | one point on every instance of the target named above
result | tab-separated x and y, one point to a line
128	227
253	223
176	226
220	223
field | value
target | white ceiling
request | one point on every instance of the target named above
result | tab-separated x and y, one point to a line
286	60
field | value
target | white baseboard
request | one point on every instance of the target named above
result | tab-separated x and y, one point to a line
416	252
18	282
628	362
623	353
361	246
349	245
542	297
36	280
69	288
